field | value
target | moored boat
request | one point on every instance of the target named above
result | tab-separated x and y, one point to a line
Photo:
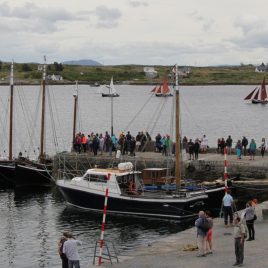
112	92
39	172
89	191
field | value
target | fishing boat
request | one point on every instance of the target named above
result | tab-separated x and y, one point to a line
112	92
7	166
258	94
126	192
162	90
88	192
35	172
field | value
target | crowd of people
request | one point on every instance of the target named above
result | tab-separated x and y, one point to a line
242	147
129	144
99	143
243	227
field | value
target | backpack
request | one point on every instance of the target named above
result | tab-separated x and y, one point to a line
205	225
246	230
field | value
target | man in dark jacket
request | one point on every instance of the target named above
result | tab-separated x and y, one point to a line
244	145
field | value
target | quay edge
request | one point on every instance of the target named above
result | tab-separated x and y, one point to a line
209	166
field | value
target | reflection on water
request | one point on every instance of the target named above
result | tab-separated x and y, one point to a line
32	221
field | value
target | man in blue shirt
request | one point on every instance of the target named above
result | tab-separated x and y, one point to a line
228	208
201	235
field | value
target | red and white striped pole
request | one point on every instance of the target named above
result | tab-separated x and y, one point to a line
104	218
225	176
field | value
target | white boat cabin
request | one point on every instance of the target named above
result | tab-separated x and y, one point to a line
123	180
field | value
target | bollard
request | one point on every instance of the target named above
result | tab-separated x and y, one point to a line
265	214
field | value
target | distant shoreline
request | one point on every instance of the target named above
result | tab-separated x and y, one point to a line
25	83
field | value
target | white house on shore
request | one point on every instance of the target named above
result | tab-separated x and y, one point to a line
150	72
262	68
55	77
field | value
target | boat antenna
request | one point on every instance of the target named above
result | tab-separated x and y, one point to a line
11	110
41	156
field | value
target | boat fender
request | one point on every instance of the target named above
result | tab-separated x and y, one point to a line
191	168
207	167
118	154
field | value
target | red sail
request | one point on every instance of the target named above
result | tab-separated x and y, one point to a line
154	89
159	90
263	90
165	87
256	95
248	97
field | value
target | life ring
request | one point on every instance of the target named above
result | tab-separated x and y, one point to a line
191	168
207	167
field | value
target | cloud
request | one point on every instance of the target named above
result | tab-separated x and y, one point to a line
31	18
107	17
134	3
249	23
253	32
206	23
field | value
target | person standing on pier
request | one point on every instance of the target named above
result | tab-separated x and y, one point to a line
228	208
252	149
239	240
71	251
249	217
201	234
209	248
191	149
262	147
196	149
229	142
245	144
64	259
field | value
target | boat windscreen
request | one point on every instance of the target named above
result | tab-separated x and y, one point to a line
95	178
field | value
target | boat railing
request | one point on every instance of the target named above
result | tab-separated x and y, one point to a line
68	175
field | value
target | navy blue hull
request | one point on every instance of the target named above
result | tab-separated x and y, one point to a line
31	176
7	172
134	206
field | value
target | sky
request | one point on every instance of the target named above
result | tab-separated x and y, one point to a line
146	32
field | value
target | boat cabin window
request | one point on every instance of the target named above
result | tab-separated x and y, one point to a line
125	179
95	178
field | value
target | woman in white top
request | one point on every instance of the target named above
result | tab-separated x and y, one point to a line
249	217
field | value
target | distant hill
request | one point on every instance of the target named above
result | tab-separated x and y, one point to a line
82	62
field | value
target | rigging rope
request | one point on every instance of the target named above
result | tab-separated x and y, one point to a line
139	111
51	114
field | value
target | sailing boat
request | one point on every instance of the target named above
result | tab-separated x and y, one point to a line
162	91
258	95
112	91
35	173
126	194
7	167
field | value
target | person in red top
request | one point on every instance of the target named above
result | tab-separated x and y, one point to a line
209	247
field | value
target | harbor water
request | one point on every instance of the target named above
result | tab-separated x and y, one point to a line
217	111
32	222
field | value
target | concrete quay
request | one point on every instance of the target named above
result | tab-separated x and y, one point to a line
209	165
168	252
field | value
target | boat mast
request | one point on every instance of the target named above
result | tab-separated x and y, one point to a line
112	115
41	156
11	110
177	125
75	95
